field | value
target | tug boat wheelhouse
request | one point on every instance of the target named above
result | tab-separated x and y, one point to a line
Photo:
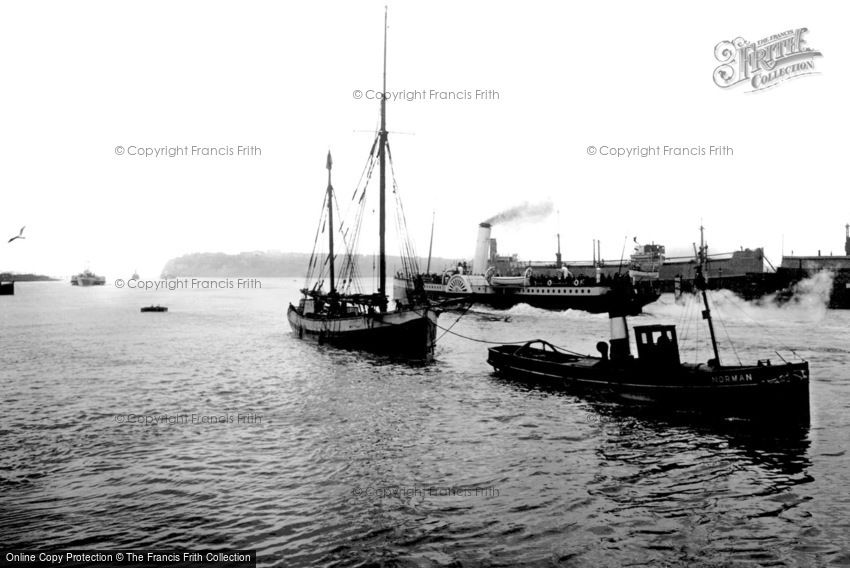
346	318
657	375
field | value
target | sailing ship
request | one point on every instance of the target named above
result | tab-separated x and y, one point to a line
657	376
343	316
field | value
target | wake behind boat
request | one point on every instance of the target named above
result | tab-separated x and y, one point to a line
657	375
343	316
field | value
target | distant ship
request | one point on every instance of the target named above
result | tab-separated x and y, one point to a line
748	273
87	278
742	272
505	281
135	275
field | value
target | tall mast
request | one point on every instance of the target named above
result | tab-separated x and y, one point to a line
703	283
330	223
431	243
382	215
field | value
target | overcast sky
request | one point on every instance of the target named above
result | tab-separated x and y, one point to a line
80	78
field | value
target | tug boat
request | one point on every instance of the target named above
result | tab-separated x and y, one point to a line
657	376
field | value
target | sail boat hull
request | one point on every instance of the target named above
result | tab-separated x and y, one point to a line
408	334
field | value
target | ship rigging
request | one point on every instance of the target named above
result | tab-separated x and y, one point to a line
345	316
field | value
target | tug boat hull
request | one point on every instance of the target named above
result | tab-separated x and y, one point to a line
762	389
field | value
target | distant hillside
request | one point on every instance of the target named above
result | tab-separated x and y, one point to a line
268	264
11	276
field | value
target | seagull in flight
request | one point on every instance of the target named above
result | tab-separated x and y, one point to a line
20	234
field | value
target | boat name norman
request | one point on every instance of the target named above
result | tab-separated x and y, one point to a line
727	379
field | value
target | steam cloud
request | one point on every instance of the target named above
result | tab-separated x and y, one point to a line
523	212
807	303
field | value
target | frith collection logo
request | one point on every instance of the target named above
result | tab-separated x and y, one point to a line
765	63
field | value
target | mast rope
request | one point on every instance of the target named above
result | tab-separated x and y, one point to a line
477	340
725	330
463	313
697	328
468	338
352	219
410	263
766	330
729	337
311	265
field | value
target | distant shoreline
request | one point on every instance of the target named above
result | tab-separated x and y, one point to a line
26	277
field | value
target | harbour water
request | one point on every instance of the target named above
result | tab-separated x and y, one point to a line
211	426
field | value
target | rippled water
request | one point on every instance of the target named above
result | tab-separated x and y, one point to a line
352	460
